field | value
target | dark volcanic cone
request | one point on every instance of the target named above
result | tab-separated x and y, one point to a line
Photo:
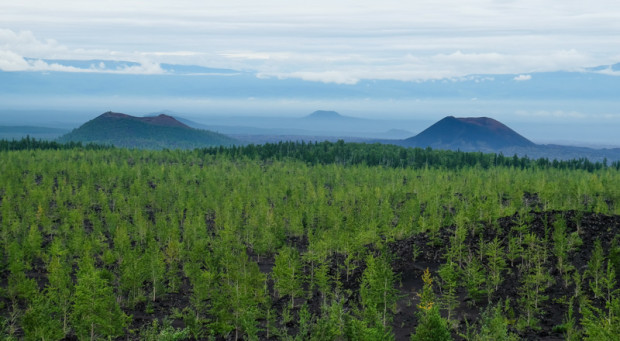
155	132
469	133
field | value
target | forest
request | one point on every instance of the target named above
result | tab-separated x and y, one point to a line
305	241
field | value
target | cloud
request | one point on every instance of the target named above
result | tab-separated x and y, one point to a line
145	67
24	43
521	78
22	51
247	55
11	61
18	49
323	77
609	72
323	40
455	66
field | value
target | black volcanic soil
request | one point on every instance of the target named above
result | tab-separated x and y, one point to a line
590	227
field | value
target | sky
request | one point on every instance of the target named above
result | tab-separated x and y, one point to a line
341	42
331	41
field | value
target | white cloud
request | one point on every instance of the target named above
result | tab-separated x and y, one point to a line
324	77
609	71
24	43
247	55
22	51
323	40
145	67
11	61
339	66
521	78
456	66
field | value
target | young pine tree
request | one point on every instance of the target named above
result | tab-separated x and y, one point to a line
494	326
287	274
377	293
431	326
449	273
60	287
595	269
96	314
40	320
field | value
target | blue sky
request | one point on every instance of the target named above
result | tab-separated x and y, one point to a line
335	48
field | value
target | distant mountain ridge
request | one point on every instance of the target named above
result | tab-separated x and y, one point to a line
325	115
484	134
160	120
154	132
163	130
589	91
468	133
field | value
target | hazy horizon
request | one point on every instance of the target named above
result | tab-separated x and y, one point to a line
549	71
593	134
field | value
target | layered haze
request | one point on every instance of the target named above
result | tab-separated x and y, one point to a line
547	69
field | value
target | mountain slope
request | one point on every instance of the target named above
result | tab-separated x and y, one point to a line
156	132
469	133
325	115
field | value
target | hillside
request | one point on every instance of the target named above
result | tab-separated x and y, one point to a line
157	132
307	242
469	133
325	115
483	134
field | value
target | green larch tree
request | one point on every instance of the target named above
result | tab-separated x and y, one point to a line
378	295
431	326
287	274
96	314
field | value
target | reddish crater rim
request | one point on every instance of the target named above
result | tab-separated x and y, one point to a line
160	120
483	122
116	115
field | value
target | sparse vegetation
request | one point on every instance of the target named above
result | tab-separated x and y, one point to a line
323	241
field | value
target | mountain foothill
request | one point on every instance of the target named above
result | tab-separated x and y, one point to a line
170	131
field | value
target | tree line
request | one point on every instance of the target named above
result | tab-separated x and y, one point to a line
354	154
